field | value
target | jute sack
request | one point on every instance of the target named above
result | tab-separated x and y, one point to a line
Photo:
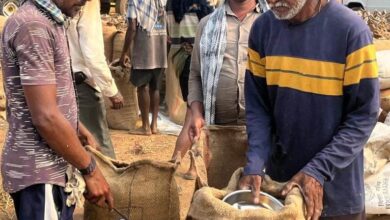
383	58
385	99
385	103
382	44
117	44
225	151
143	189
126	117
207	203
377	150
173	97
109	32
377	170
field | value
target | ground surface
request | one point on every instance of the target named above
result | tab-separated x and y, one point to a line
128	148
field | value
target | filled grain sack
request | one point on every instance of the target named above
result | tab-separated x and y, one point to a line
126	117
225	150
173	97
207	203
383	58
109	32
143	189
382	44
117	45
377	170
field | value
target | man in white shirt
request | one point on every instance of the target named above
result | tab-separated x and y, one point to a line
92	74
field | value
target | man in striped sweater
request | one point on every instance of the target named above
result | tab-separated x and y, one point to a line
311	94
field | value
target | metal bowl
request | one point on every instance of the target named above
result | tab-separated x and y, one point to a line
242	199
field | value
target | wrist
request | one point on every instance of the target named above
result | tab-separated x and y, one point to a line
89	170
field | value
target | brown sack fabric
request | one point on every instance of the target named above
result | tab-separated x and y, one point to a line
117	44
225	151
109	32
173	97
382	44
143	189
208	204
126	117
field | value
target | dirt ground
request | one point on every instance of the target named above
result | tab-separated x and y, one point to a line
127	147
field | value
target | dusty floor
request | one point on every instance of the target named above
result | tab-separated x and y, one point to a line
127	147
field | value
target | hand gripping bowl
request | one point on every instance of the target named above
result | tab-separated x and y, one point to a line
242	200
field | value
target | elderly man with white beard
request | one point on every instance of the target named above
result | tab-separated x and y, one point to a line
311	93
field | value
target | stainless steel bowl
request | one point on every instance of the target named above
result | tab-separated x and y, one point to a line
242	199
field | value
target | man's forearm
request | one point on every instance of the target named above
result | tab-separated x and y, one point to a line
197	108
129	38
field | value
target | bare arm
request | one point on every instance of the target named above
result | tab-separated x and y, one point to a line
62	138
129	41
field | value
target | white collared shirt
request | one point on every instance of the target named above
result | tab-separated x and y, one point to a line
86	44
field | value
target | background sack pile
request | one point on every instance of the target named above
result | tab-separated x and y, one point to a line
379	23
114	31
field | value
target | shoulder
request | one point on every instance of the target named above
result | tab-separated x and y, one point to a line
344	19
28	17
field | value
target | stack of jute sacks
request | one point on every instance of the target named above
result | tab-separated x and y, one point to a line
379	23
114	28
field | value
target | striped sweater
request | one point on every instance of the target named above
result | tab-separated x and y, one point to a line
311	93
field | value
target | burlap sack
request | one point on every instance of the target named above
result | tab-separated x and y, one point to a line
382	44
126	117
377	170
109	32
385	103
225	151
173	97
208	204
117	45
143	189
121	7
383	58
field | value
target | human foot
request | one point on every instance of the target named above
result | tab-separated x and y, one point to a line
141	131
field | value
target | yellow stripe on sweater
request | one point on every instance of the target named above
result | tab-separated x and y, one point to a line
256	65
305	84
306	67
361	64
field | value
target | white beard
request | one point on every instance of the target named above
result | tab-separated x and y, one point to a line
293	11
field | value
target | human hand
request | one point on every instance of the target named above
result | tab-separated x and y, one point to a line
124	61
197	122
252	182
98	191
89	139
312	192
117	101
